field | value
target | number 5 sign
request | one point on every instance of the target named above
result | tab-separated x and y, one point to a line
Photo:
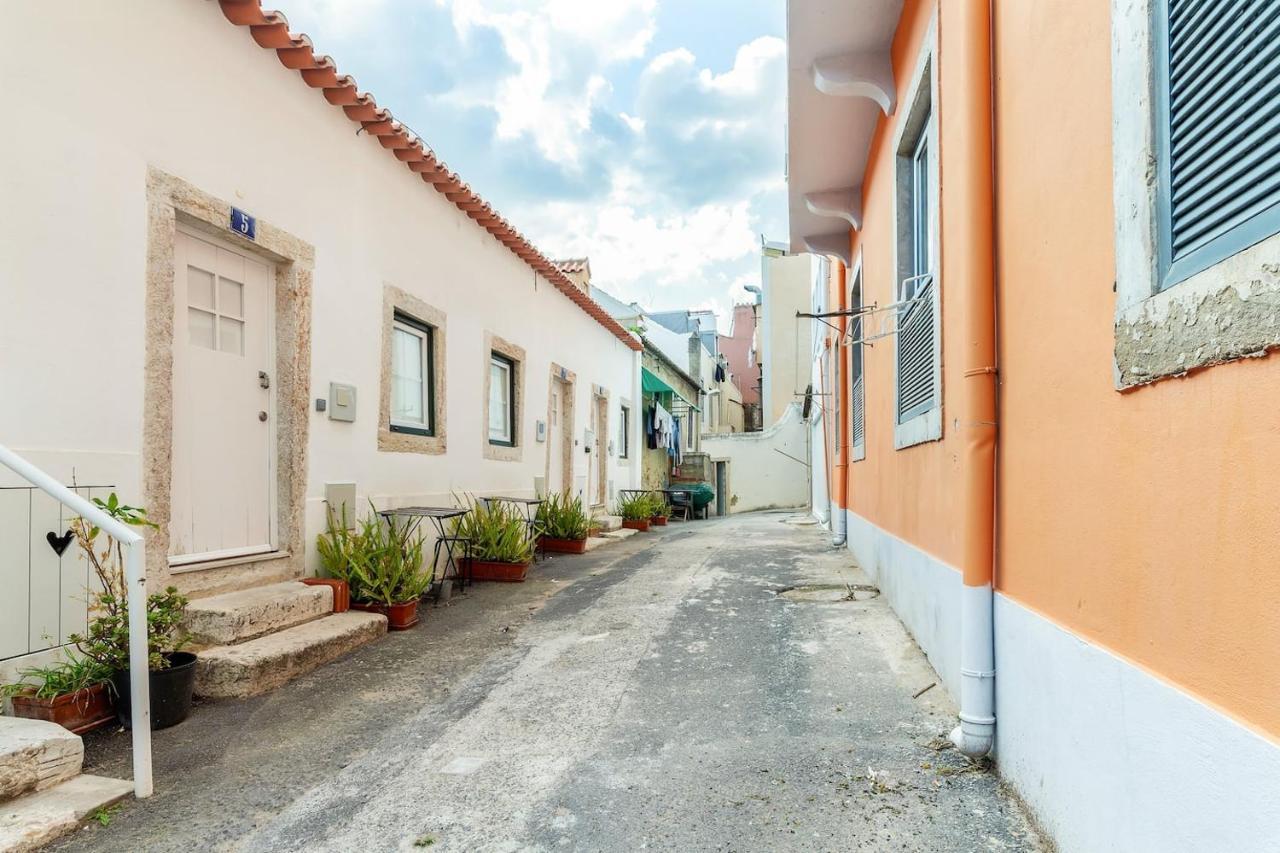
244	224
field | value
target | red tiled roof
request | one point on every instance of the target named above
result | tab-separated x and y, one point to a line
569	265
295	51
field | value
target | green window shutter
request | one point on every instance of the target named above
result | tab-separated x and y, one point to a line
1218	129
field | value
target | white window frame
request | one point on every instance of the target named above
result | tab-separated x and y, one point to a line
508	366
921	106
624	430
425	339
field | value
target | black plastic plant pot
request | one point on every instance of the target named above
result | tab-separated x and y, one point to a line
171	691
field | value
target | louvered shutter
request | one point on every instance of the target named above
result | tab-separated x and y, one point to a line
1222	137
859	418
916	329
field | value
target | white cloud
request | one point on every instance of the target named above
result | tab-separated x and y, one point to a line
561	50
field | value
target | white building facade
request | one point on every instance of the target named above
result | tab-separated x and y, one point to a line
225	293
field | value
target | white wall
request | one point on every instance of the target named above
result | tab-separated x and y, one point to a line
766	469
114	88
785	341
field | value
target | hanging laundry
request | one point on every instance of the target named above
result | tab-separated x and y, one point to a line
650	433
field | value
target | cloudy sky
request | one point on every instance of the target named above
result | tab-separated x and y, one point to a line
646	134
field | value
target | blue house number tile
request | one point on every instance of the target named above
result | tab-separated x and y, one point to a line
243	224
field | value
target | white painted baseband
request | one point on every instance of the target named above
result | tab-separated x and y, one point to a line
924	591
1112	758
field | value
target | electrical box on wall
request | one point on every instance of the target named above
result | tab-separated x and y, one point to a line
341	500
342	402
540	430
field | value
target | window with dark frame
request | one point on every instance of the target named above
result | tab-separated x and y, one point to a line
624	439
1217	104
915	345
413	401
502	400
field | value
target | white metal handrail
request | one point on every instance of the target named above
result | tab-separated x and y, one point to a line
136	586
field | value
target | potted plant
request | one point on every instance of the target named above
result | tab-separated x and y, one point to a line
172	672
75	693
659	510
381	563
635	513
563	524
500	549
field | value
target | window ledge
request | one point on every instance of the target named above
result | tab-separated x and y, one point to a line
1222	314
919	430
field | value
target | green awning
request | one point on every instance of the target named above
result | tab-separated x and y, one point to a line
651	383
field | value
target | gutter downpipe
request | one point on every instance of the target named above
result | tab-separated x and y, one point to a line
839	519
975	234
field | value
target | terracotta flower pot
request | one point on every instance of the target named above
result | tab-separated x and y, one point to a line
483	570
341	592
658	520
594	532
400	617
641	524
78	712
563	546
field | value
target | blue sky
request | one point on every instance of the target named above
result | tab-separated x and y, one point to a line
645	134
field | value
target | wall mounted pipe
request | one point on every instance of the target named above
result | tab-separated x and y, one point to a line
839	512
974	270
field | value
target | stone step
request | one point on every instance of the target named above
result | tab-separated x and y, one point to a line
620	533
237	617
34	820
595	542
35	755
609	523
261	665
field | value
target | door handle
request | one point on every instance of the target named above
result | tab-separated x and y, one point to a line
264	381
262	416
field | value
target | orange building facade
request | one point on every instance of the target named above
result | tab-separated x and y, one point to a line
1057	226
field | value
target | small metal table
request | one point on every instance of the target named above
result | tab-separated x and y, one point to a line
670	493
530	508
438	516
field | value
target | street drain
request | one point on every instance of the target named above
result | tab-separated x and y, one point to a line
829	593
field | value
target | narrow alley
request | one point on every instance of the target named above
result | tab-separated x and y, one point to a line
728	685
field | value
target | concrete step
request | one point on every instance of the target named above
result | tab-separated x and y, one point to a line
35	755
608	523
620	533
595	542
261	665
236	617
32	821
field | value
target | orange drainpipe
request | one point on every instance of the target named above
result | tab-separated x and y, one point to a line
968	81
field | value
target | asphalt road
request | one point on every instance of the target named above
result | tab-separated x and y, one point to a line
666	693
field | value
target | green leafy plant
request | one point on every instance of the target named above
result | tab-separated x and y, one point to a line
71	676
634	507
658	507
106	640
497	532
562	517
381	561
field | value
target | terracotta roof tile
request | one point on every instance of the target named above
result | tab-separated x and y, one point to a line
271	31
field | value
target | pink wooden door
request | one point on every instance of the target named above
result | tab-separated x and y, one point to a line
223	416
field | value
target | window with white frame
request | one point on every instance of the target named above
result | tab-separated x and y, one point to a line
412	385
917	343
857	381
502	400
1217	107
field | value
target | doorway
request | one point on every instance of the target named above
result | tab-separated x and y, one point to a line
601	426
560	436
222	492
